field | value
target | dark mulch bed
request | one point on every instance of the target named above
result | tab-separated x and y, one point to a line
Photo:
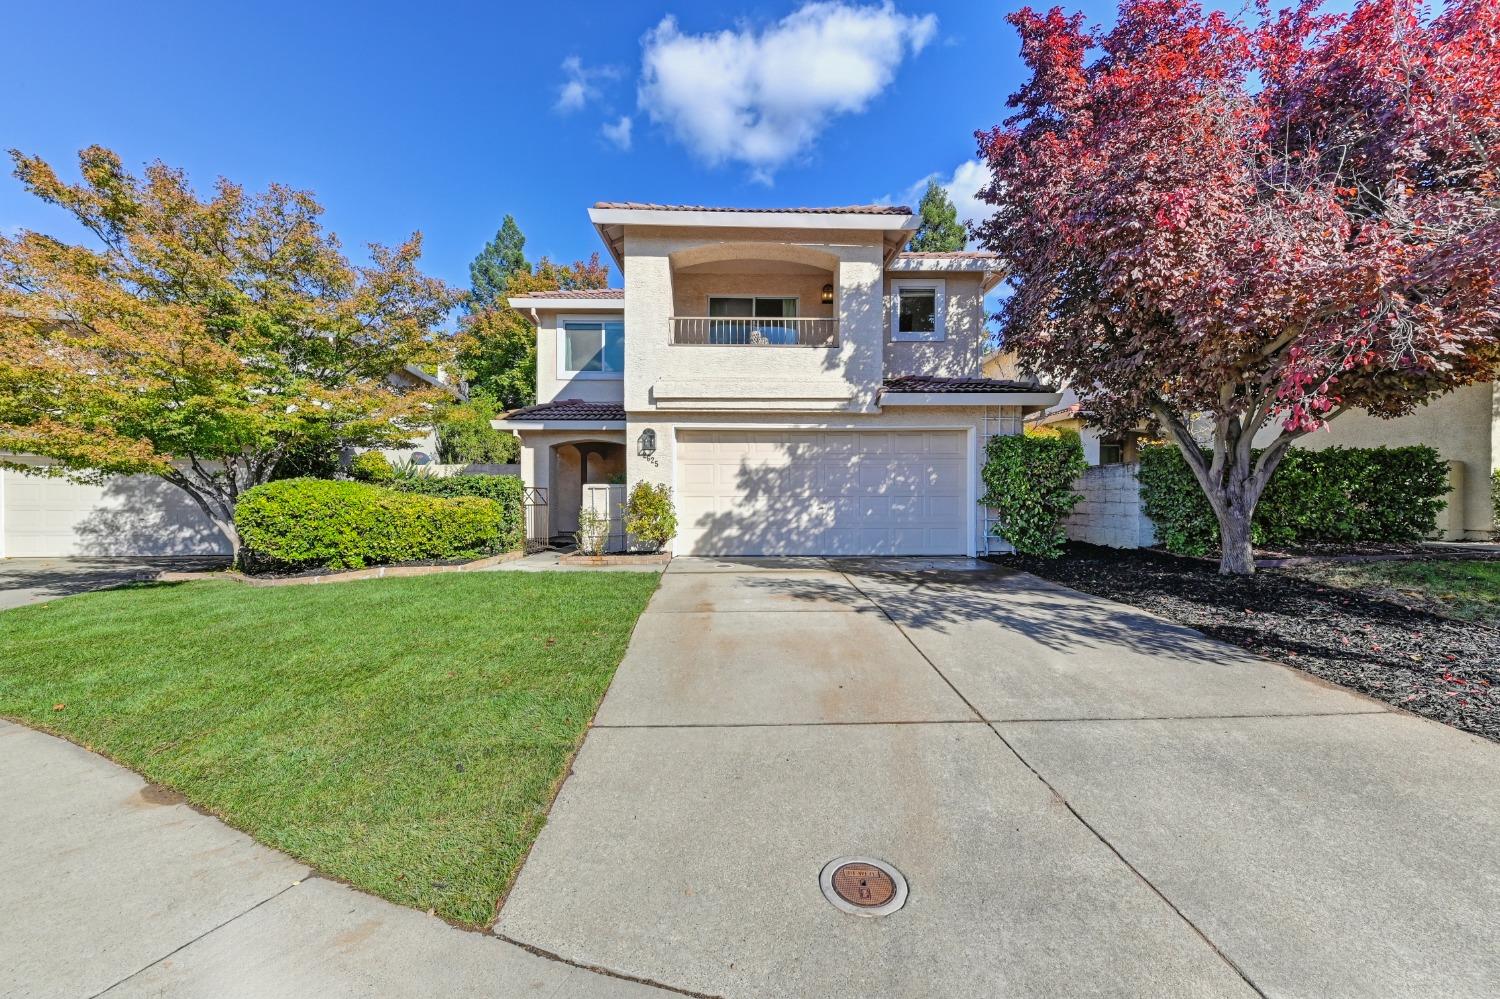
261	569
1430	665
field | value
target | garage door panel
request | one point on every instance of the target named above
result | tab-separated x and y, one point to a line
829	493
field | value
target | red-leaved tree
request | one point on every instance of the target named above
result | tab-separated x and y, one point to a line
1239	229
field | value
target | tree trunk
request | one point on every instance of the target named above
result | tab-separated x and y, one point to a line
1232	478
1236	556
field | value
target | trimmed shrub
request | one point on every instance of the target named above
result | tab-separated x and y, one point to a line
1172	498
1335	496
1028	480
505	490
371	466
650	516
317	523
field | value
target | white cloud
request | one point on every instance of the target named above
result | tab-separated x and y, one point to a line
762	97
963	187
581	83
619	132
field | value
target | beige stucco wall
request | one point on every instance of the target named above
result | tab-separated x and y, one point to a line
557	470
657	372
691	291
660	467
1464	426
548	385
958	354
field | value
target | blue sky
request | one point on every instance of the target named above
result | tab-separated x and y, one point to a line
444	117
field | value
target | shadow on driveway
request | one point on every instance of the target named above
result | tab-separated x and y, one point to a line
36	580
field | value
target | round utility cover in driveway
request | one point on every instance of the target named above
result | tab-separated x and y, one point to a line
863	886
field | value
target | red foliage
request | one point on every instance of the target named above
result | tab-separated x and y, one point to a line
1311	199
1264	221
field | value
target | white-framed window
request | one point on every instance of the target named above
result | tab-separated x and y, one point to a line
752	306
590	346
919	310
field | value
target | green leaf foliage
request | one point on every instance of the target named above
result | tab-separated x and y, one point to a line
371	466
490	271
940	231
1338	496
1028	480
506	490
649	514
465	434
314	523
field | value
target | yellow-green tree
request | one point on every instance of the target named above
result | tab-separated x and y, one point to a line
497	344
203	339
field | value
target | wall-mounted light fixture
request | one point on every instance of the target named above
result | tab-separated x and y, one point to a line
646	445
828	294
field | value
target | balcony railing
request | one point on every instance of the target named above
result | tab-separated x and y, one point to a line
714	331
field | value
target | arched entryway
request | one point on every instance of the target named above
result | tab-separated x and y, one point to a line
575	464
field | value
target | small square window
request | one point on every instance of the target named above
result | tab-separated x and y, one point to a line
917	311
1111	452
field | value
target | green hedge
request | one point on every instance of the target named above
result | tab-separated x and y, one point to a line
506	490
1338	495
317	523
371	466
1028	480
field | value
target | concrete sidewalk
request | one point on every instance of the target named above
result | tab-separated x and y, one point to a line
111	887
1085	799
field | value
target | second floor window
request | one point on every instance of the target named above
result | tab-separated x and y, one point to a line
591	348
747	307
918	310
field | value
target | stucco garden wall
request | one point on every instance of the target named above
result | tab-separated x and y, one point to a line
1110	511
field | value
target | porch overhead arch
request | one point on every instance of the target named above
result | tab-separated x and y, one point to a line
709	253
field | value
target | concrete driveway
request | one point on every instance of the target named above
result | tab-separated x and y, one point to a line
36	580
1085	800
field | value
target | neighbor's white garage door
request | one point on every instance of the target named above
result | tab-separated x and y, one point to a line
772	492
43	517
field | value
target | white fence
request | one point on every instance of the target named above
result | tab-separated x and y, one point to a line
1110	512
608	500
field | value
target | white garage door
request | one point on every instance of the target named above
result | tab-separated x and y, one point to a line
772	492
42	517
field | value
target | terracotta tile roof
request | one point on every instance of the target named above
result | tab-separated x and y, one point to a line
593	294
932	383
571	409
842	210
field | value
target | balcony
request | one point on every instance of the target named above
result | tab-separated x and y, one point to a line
757	332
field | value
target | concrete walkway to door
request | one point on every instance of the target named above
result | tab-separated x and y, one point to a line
1086	800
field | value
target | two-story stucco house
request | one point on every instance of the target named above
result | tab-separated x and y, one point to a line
803	385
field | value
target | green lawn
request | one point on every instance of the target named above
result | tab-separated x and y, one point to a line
1467	589
405	735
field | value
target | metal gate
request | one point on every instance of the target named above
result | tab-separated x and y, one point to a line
538	530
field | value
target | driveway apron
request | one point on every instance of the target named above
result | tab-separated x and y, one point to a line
1085	800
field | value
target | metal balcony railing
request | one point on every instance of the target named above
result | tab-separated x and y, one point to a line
714	331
